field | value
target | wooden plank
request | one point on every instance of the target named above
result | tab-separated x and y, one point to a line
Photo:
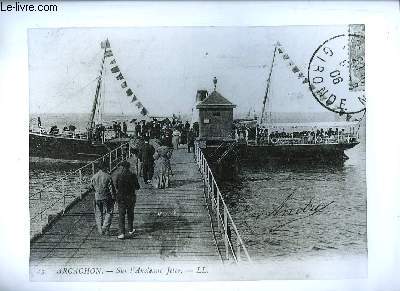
171	225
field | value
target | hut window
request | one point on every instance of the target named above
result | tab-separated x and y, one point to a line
216	113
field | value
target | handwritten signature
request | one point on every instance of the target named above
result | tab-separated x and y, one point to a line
301	212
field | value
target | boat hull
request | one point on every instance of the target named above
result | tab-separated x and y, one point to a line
286	152
298	152
63	148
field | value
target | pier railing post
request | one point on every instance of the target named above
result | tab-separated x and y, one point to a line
238	246
206	174
110	161
80	184
218	212
226	233
203	162
92	168
63	193
200	163
41	212
129	150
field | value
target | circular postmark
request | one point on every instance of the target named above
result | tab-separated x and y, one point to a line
336	74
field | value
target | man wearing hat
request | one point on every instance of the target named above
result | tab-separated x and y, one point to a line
126	183
104	192
147	159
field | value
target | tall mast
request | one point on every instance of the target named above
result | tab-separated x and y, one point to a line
98	87
268	84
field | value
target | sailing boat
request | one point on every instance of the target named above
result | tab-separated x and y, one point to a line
322	141
93	143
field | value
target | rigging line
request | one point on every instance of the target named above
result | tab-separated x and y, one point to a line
98	87
268	85
65	100
79	72
102	95
102	98
361	119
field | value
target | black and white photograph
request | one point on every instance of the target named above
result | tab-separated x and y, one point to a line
200	145
197	153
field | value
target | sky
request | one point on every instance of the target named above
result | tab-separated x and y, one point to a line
165	66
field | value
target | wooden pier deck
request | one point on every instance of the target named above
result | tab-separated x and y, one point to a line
172	225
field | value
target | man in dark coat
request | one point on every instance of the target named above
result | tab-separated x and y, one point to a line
126	183
190	141
125	128
147	159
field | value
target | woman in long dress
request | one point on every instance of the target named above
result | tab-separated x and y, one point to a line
162	158
176	136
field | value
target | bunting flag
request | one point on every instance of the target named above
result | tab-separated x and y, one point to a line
303	78
294	68
139	105
143	111
105	44
108	54
120	77
115	69
129	92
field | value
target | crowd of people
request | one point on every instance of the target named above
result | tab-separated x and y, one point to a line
320	135
120	130
171	132
157	141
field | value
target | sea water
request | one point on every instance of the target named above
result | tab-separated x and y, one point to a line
301	210
292	210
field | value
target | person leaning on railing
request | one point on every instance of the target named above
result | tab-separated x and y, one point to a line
104	197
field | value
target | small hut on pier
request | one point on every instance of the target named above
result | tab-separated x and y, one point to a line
215	117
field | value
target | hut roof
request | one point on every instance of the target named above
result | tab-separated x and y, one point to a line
215	99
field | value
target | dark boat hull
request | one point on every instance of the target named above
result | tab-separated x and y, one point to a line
287	152
63	148
299	152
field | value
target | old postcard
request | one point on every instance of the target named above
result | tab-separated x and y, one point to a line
197	153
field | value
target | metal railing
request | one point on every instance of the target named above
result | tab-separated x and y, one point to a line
55	198
306	140
233	244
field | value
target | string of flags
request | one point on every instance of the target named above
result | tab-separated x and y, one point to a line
294	68
118	75
302	77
